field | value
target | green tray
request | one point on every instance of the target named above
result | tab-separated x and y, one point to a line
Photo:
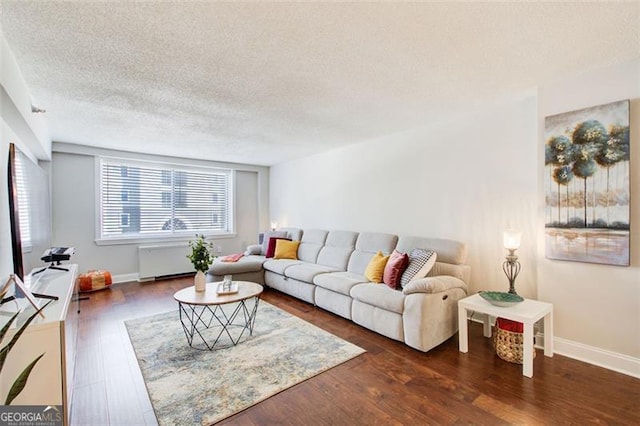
500	298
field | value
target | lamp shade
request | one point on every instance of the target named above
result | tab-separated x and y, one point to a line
511	239
274	224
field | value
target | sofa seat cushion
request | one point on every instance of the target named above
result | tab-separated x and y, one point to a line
339	282
307	271
380	296
244	264
279	265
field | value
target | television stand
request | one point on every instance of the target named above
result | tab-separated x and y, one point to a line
36	295
56	335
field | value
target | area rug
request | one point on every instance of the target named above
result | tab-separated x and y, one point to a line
189	386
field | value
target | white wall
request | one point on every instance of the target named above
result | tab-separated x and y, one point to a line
31	129
74	209
26	130
595	305
470	178
466	179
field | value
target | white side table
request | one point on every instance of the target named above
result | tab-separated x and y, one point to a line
527	312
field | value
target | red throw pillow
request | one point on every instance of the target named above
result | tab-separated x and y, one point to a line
395	267
271	247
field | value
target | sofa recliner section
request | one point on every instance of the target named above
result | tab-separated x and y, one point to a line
329	273
334	293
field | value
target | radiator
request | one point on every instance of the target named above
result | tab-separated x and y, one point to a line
162	260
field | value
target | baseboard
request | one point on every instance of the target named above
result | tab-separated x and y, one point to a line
124	278
127	278
614	361
620	363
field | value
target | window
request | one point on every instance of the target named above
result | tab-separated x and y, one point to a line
23	203
162	200
166	177
166	199
180	178
124	220
180	199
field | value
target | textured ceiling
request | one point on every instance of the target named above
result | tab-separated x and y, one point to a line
263	83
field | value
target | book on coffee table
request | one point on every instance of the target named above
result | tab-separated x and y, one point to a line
230	290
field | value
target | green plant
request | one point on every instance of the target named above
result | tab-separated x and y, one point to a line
200	255
21	380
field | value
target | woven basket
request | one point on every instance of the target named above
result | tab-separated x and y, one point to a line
508	345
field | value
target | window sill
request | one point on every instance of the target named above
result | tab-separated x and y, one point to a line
159	240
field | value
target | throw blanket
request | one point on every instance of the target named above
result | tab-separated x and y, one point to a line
232	257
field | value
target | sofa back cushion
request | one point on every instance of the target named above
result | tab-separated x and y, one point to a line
295	234
367	245
337	249
311	243
449	251
452	255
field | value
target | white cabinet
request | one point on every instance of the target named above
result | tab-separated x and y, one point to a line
55	335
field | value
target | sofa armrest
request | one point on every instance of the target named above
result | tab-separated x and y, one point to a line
254	249
432	285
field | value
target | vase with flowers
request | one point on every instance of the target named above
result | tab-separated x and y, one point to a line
201	258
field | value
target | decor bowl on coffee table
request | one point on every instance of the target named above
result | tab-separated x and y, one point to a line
187	386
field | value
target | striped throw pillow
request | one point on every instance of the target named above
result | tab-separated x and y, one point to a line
420	263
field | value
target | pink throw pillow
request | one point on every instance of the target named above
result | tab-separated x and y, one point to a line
395	267
271	247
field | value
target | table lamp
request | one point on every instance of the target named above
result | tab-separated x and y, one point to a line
511	266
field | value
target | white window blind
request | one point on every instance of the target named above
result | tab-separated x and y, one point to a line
142	200
23	203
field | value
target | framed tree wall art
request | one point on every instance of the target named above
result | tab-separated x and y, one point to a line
587	185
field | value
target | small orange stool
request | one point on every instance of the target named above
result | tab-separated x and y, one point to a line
94	280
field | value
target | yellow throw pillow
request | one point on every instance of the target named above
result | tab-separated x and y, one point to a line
286	249
375	268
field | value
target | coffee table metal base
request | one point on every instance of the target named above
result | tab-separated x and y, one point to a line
207	325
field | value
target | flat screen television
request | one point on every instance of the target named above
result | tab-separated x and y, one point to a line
29	211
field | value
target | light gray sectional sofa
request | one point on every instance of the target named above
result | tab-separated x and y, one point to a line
330	271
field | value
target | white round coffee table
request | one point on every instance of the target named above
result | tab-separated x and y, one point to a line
209	318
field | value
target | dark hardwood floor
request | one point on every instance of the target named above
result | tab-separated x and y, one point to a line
389	384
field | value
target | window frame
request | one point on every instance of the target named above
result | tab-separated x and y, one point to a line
161	237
